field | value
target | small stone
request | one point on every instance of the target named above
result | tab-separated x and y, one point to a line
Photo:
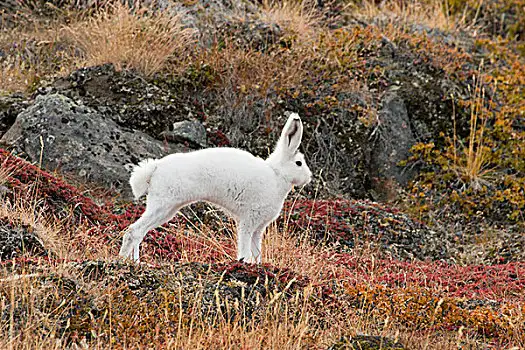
187	131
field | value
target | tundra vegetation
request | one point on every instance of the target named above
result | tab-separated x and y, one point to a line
410	236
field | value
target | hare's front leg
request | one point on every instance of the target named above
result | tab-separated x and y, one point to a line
249	238
244	234
256	244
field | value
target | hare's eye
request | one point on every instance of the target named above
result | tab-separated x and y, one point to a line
299	163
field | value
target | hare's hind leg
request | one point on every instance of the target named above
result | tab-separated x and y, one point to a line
154	216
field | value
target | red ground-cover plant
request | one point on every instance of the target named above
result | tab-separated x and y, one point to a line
338	218
218	138
55	195
484	300
52	190
496	282
357	223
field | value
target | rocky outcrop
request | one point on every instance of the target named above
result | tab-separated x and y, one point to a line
370	226
393	138
368	342
125	97
17	240
207	292
170	116
190	131
354	138
76	139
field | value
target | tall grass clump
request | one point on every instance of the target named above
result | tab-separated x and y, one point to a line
137	38
299	19
477	172
429	13
471	161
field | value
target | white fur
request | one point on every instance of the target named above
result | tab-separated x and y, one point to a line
141	177
250	189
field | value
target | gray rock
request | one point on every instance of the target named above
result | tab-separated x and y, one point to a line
369	342
10	107
77	140
393	140
16	240
190	131
215	20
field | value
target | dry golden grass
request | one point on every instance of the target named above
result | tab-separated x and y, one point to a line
24	210
151	42
138	39
33	53
130	39
249	71
429	13
296	323
297	18
471	161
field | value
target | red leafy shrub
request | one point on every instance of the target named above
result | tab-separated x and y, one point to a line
55	193
218	138
486	300
358	223
56	196
495	282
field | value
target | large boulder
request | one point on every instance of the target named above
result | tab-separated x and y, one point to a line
125	97
69	136
393	139
187	131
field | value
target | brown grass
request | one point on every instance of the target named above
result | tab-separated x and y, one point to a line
297	18
293	323
130	39
248	71
33	53
471	161
24	209
429	13
137	39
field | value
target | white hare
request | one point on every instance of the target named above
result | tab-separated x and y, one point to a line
250	189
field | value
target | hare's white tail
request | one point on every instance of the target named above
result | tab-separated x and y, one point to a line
141	176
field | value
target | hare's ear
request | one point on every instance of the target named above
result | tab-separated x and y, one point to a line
291	135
